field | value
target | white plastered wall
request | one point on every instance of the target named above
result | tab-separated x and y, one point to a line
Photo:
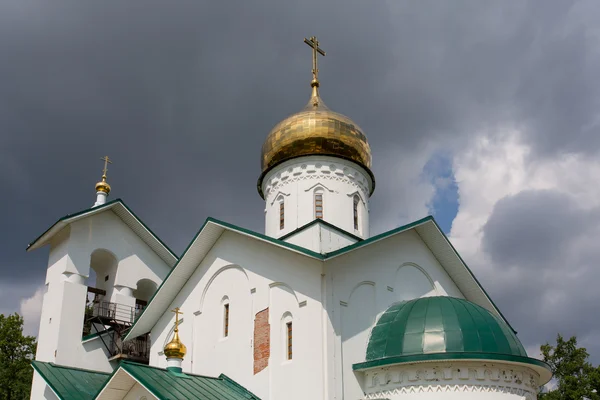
63	306
295	182
254	276
364	283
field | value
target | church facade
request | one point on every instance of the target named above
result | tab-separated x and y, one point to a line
314	308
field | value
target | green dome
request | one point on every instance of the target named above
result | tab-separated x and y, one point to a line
442	328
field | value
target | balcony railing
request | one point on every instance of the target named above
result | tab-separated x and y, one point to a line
113	320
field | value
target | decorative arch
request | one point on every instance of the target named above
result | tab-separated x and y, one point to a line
421	282
370	283
215	275
287	288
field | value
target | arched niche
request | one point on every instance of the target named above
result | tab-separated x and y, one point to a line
103	269
145	289
412	282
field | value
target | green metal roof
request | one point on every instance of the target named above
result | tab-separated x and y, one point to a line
171	385
71	383
441	328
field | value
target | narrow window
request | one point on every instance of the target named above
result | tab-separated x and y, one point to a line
289	340
281	215
226	321
356	201
319	205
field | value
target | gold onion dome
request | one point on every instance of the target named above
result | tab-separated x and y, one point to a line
103	186
175	349
315	130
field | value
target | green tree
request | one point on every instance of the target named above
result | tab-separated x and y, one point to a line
575	377
16	353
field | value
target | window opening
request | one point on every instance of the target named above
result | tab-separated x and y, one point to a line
289	340
319	205
355	211
281	215
226	321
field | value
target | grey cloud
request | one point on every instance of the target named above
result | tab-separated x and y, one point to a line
544	253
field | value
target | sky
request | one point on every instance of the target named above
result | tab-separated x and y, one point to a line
485	114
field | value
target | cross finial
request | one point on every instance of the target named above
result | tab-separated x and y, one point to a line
316	50
177	312
106	162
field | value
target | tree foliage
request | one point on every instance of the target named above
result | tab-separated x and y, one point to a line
16	353
575	377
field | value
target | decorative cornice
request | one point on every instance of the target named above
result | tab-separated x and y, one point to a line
319	171
384	383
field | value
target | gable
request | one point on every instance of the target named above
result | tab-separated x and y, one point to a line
431	235
164	384
125	214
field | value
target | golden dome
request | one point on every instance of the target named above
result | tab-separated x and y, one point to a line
103	186
316	130
175	349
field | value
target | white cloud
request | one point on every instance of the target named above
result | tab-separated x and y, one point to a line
544	299
31	309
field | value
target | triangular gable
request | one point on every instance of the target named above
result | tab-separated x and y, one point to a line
426	228
126	215
165	384
70	383
200	245
441	248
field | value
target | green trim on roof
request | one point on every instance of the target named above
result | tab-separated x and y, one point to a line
379	237
169	385
449	357
320	221
106	205
71	383
95	334
268	239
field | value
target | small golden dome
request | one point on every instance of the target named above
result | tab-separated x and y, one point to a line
103	186
316	130
175	349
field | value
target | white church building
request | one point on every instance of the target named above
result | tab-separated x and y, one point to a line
313	309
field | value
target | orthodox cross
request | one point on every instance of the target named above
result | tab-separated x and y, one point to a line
177	312
106	162
314	44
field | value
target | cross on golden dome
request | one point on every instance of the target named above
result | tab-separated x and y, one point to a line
316	50
103	186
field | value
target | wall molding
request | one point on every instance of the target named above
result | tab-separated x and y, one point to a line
484	377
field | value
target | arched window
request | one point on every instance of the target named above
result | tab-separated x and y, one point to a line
225	303
281	214
319	205
355	211
287	336
288	326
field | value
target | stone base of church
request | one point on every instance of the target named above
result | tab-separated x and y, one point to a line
463	380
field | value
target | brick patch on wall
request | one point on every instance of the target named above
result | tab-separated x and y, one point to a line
262	340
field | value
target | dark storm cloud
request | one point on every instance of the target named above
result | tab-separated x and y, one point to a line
544	251
182	93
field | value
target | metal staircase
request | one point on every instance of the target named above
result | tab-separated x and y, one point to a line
111	321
